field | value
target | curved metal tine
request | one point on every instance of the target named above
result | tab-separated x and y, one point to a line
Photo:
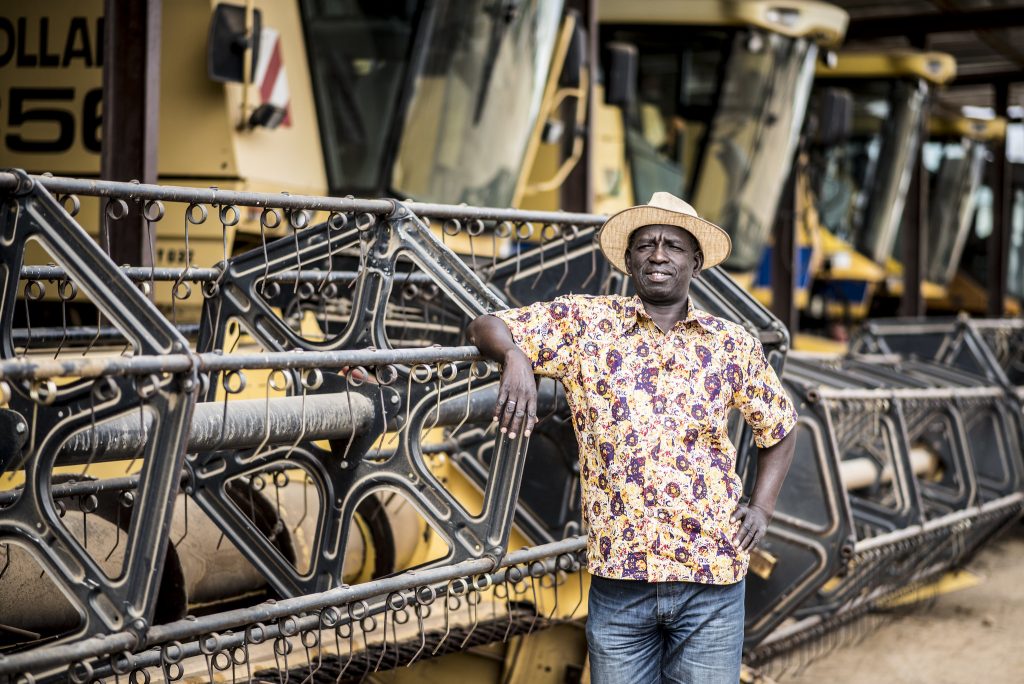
519	251
384	646
28	329
469	397
404	427
378	444
352	418
554	591
302	420
593	266
565	263
536	606
473	611
540	250
92	342
184	533
437	405
419	624
142	432
494	253
266	421
306	482
579	598
447	618
509	588
117	535
351	645
298	252
63	320
94	442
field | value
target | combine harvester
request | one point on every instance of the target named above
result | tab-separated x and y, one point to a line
358	514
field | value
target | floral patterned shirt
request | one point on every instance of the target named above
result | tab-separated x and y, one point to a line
659	483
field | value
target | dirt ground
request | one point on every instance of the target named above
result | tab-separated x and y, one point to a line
969	635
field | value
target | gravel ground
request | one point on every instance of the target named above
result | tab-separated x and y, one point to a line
969	635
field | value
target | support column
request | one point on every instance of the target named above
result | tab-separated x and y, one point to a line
999	240
914	227
784	253
131	107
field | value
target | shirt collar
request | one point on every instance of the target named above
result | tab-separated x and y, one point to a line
634	310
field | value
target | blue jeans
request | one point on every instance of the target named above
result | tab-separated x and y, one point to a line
664	632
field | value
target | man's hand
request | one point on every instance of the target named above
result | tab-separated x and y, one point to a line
752	531
517	395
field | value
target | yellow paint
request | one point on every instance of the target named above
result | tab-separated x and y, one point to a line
956	580
821	22
935	67
950	125
821	345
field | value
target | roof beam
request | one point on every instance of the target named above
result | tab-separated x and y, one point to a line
987	77
935	22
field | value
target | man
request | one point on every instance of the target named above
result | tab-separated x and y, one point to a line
650	382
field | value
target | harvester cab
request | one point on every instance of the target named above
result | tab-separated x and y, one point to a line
721	94
965	146
861	182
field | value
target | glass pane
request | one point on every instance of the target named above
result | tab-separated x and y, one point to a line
359	54
753	138
476	101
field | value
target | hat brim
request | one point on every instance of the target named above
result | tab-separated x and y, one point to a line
614	236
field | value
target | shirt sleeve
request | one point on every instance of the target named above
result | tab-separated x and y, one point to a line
763	400
547	332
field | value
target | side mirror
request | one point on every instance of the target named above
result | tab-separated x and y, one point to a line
621	67
834	117
227	42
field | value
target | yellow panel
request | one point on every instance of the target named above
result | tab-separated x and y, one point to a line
945	125
934	67
288	157
820	21
51	71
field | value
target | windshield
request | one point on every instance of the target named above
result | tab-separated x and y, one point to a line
359	54
476	101
955	170
863	181
717	120
1015	265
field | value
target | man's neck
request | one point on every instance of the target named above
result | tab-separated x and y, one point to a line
666	315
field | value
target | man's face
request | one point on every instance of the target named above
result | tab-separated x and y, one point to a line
662	260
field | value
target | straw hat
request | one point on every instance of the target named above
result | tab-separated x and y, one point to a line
663	209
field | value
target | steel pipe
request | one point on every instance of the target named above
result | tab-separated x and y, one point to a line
244	424
381	207
857	473
34	369
49	657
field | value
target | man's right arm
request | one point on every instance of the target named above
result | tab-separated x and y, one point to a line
517	394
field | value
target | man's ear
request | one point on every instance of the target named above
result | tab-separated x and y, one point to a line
698	258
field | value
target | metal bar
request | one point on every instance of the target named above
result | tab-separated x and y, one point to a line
938	523
81	333
82	487
915	231
381	207
209	275
131	109
923	393
243	424
999	240
784	256
45	658
989	77
935	22
29	368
